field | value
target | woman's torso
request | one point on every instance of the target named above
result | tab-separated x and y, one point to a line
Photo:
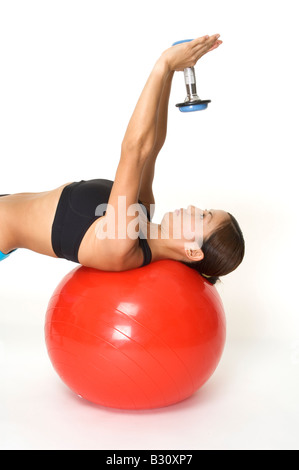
26	221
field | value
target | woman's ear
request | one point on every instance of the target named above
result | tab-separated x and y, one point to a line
193	252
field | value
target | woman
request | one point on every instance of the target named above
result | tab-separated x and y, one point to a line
69	222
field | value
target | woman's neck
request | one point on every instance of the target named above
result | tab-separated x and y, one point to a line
161	248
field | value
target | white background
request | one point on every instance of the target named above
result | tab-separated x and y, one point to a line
70	75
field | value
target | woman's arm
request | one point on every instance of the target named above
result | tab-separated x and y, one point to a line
146	187
137	146
139	143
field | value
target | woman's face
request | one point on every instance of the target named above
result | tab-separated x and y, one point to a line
192	224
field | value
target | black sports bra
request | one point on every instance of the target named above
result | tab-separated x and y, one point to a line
75	213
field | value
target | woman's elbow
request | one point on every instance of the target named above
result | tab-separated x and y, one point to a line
140	147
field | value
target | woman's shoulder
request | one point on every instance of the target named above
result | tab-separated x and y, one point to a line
107	254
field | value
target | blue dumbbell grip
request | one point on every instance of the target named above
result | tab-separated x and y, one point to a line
181	42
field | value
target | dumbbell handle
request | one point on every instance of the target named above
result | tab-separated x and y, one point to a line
190	82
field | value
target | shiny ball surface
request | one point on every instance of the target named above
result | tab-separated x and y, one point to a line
138	339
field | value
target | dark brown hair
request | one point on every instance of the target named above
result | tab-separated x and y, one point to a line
223	251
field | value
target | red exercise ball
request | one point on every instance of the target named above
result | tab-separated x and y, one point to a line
139	339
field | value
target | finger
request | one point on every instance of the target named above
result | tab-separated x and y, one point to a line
204	44
205	39
217	44
208	46
212	40
200	41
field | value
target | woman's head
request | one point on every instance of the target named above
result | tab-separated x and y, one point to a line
217	247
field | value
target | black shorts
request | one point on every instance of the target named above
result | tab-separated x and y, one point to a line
76	212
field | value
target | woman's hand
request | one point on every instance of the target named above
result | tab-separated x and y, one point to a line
187	54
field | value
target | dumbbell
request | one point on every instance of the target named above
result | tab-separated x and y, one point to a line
192	101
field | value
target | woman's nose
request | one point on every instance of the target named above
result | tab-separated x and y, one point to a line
192	210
